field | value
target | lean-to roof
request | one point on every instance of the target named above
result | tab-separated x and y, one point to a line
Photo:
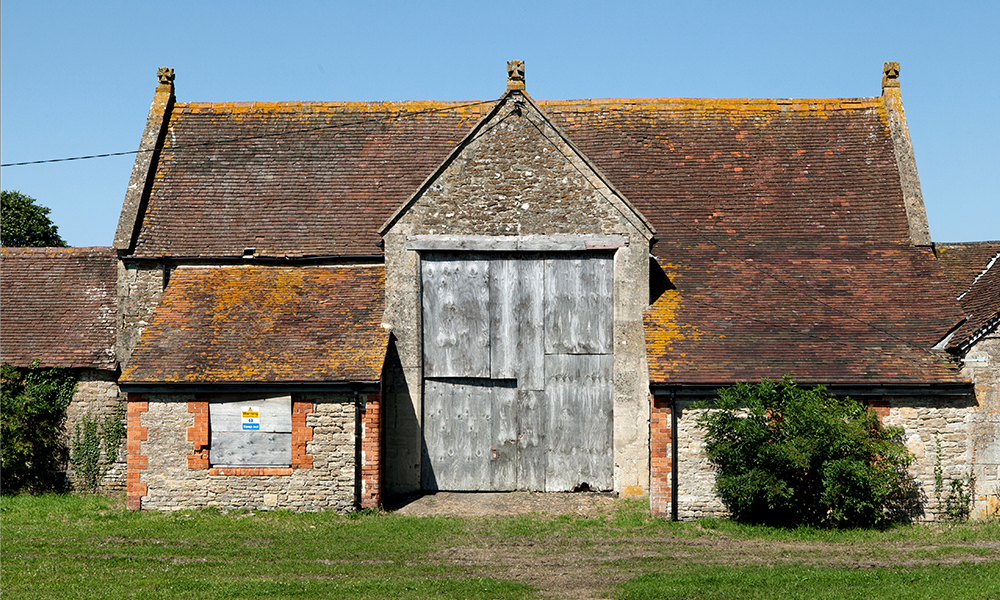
974	270
244	324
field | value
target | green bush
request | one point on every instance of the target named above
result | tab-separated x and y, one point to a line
789	456
33	402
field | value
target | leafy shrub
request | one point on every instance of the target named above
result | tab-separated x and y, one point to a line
789	456
33	402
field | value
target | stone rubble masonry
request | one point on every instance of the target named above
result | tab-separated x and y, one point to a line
169	458
982	366
696	497
926	421
140	286
97	397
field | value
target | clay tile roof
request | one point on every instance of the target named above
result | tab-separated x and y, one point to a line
245	324
880	308
963	262
58	306
822	170
974	271
318	179
292	179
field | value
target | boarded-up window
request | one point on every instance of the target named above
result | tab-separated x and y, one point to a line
251	432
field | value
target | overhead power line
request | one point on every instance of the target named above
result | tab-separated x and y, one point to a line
393	117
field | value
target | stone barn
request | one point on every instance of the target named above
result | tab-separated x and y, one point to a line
325	303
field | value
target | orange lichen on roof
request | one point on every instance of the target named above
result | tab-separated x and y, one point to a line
756	315
736	110
471	109
265	324
665	328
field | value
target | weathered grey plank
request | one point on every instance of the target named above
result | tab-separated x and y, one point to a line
250	449
531	445
456	317
511	243
275	414
503	323
579	432
517	321
457	435
503	463
578	305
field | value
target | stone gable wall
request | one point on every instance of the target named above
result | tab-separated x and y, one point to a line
515	180
516	177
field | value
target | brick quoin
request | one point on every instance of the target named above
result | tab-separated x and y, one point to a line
371	452
136	461
881	408
198	434
302	434
659	457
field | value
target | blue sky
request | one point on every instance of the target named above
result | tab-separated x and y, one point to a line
77	78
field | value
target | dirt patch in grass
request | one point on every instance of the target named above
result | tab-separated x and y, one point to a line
504	504
562	560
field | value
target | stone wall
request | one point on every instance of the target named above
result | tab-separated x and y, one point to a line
167	435
936	428
936	431
695	476
140	286
982	366
98	397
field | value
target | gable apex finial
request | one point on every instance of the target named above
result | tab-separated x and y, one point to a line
165	78
890	74
515	74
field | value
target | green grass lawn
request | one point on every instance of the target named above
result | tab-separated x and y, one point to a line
91	547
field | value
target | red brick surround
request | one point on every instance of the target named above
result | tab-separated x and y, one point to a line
881	408
659	457
371	452
135	489
199	435
301	434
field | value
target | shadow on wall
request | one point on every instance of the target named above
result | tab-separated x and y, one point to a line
401	461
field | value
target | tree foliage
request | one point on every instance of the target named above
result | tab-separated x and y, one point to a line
789	456
23	222
33	402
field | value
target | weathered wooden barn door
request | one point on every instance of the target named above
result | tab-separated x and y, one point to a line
517	372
